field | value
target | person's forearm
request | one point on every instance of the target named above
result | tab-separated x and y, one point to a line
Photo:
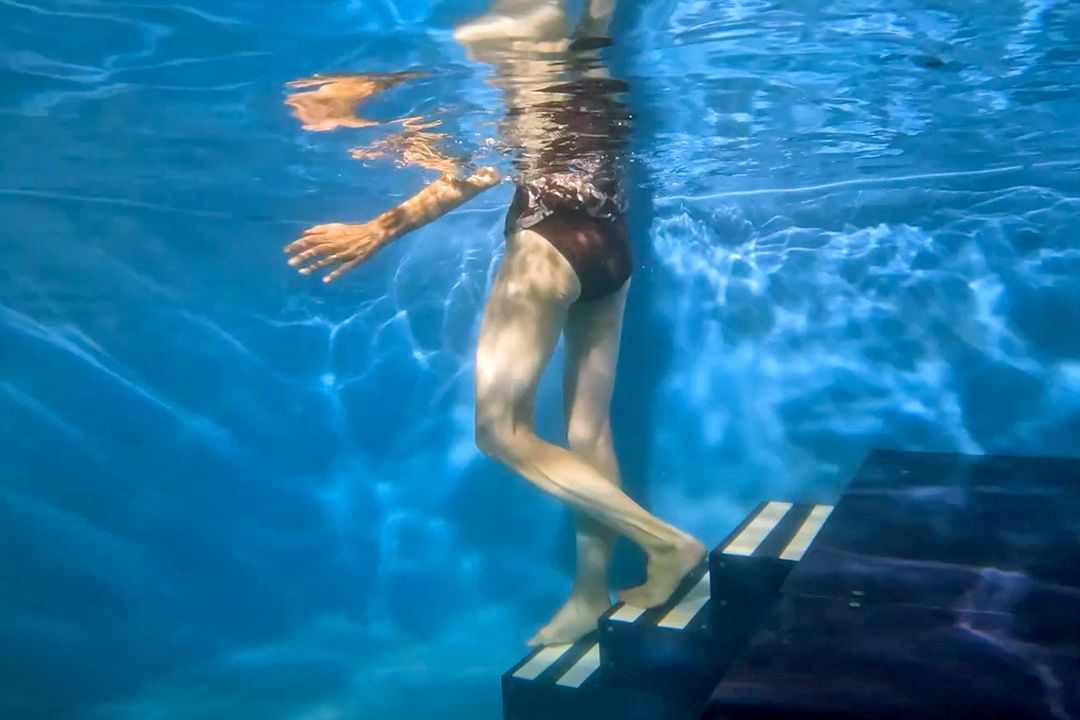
434	201
348	245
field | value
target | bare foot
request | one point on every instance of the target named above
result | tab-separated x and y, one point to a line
574	620
666	569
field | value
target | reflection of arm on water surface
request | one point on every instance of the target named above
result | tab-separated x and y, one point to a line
564	129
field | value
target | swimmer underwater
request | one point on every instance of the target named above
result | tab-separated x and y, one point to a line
566	271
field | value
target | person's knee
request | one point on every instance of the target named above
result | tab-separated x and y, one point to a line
588	439
494	436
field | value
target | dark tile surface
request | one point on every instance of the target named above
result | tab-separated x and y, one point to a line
950	531
821	657
942	586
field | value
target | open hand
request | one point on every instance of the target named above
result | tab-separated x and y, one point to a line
335	244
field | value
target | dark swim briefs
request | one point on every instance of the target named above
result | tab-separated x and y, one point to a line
569	178
591	236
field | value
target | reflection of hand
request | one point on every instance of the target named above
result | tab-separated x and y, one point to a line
332	103
333	100
335	244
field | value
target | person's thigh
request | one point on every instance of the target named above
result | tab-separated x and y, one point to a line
524	315
593	331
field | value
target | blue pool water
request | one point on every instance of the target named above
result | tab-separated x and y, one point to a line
229	491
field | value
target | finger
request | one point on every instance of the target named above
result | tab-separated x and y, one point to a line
309	242
298	244
316	234
346	267
323	262
300	258
304	242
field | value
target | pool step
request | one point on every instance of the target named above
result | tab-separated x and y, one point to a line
555	682
942	587
747	569
664	662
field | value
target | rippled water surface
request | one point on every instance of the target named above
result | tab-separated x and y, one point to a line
227	490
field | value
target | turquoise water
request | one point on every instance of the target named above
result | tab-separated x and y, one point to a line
230	491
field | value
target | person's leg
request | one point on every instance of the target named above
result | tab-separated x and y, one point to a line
525	313
592	347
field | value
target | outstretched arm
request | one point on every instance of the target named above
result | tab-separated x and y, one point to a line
333	103
346	246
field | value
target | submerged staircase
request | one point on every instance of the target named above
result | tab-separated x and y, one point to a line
663	663
941	586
